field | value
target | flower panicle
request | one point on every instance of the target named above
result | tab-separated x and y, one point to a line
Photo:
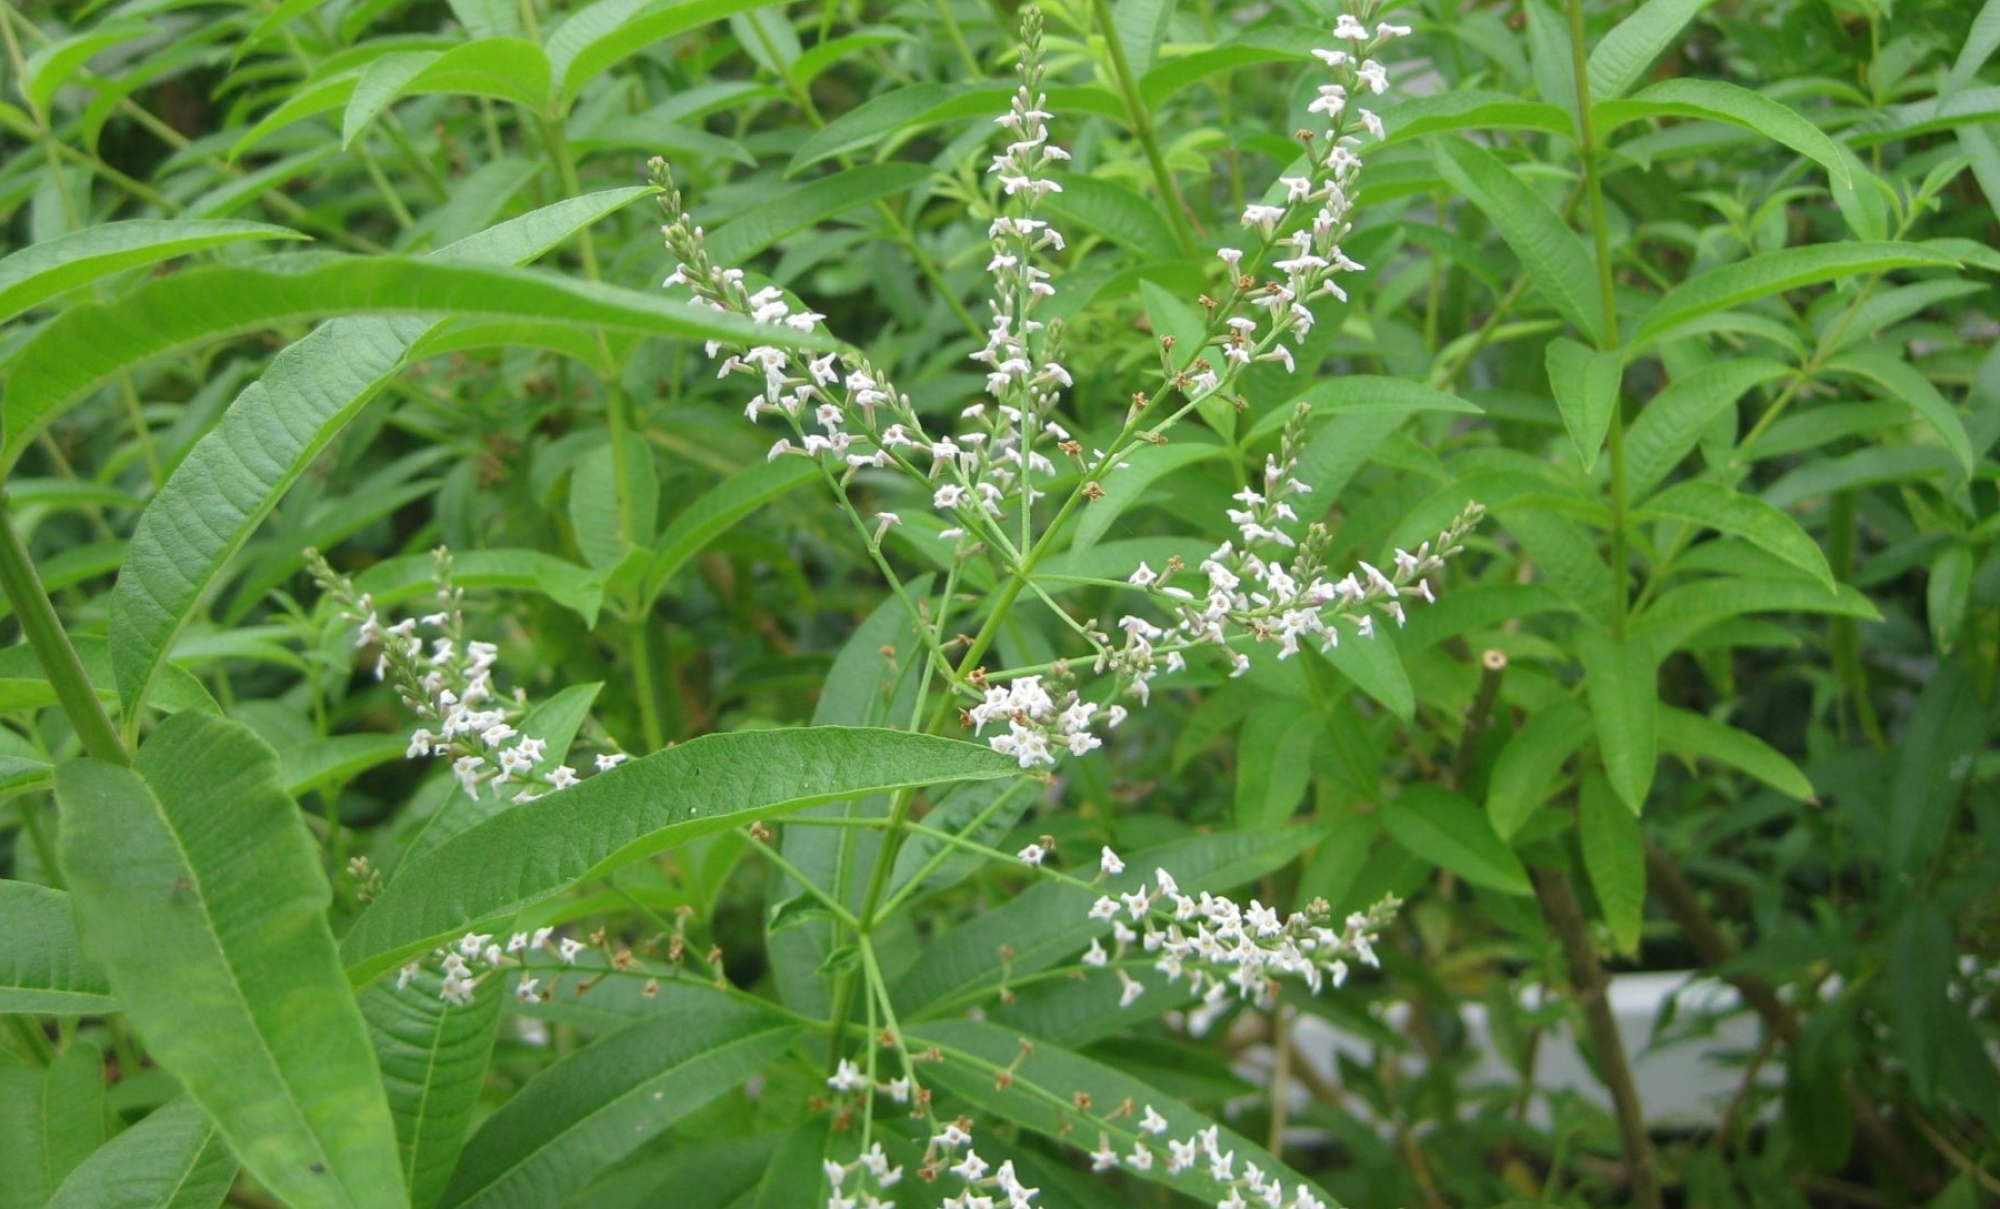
448	683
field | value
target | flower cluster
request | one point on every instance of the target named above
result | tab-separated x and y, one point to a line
873	1174
844	410
1203	1152
1249	594
476	956
979	1179
449	685
1036	725
1218	946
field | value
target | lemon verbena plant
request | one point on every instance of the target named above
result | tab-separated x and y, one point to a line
949	605
995	484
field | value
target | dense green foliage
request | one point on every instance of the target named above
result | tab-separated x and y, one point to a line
1693	297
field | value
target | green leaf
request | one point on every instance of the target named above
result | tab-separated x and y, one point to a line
604	1101
901	111
1473	109
237	473
718	510
42	967
1614	854
708	785
597	38
1622	683
1680	612
508	69
606	530
1525	773
1715	100
1917	984
1375	665
54	267
316	97
1775	272
1899	378
1585	383
809	205
55	64
1123	487
1050	921
1362	394
1048	1082
1693	736
199	889
1114	212
433	1055
1948	594
1273	763
334	760
1948	728
1713	506
1552	254
1623	55
1139	26
173	1159
50	1121
1445	829
90	345
1265	44
1670	426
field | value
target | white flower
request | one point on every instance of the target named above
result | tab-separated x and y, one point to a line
1110	863
847	1077
1032	855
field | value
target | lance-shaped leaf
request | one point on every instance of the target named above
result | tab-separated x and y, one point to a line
1762	524
1673	422
1624	54
173	1159
90	345
433	1055
1622	683
1774	272
234	476
42	966
54	267
1614	854
1552	254
1585	383
718	509
200	891
598	1105
593	40
50	1121
809	204
1448	830
511	69
1048	1086
711	784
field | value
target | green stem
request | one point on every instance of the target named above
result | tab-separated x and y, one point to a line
51	646
1607	327
1141	117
